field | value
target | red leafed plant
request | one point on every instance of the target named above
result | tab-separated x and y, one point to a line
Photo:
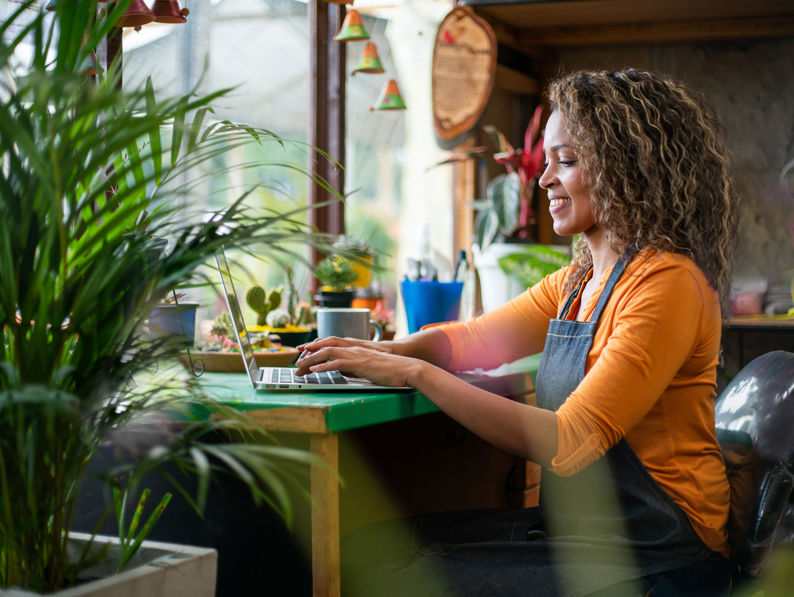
508	208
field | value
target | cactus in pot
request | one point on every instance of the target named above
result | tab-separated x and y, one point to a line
263	302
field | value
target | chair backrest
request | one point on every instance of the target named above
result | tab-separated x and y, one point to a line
755	426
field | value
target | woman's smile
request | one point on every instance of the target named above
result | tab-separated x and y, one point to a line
558	203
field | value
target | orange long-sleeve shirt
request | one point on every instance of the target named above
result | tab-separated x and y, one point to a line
650	377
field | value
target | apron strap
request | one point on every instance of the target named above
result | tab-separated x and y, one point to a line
614	276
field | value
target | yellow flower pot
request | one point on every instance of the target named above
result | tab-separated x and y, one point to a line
363	271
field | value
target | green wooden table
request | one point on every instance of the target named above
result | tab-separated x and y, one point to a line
322	416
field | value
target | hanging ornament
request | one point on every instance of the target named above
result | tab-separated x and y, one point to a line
369	62
168	11
137	15
390	98
91	65
352	28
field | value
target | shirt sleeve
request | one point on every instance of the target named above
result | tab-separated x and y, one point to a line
655	328
512	331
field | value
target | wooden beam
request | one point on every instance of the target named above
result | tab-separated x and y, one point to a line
327	116
595	14
659	32
109	51
325	517
549	62
291	418
464	187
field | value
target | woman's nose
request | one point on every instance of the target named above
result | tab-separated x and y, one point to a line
546	180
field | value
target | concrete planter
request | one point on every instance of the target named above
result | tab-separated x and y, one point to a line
157	570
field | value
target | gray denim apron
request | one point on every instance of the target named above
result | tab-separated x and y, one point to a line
612	515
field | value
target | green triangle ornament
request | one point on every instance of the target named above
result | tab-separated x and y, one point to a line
352	28
390	98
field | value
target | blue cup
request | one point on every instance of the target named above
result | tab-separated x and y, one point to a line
430	302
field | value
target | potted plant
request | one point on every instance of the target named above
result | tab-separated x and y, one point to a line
288	325
505	220
385	318
336	274
262	302
507	213
93	178
362	258
175	320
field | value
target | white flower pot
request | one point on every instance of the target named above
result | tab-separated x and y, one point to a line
496	287
157	570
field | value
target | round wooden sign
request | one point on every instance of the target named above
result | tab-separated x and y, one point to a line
464	65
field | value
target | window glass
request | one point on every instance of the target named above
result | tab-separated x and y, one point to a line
397	201
21	59
260	49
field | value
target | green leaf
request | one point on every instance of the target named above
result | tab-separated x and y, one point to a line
531	263
202	465
505	193
486	226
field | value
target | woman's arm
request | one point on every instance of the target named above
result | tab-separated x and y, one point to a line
517	428
523	430
431	345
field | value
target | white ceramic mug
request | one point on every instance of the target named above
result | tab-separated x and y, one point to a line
347	323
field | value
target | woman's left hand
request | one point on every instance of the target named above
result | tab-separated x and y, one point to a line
378	366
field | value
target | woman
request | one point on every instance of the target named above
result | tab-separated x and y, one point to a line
634	495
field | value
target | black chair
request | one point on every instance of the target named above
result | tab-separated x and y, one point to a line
755	427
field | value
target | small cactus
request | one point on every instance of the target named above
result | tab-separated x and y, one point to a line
263	302
278	318
292	294
303	315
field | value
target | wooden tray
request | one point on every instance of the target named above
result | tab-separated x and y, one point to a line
232	361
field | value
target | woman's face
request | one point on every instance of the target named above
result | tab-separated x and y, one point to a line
563	179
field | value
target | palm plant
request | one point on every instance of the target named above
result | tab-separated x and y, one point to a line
91	179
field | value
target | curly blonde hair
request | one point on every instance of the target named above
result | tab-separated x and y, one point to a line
657	166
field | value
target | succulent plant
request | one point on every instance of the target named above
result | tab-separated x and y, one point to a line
263	302
278	318
336	273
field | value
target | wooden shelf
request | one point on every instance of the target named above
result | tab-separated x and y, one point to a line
560	23
513	81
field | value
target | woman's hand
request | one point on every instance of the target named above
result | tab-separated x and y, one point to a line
316	345
357	358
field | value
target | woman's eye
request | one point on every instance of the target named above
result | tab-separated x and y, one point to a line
567	163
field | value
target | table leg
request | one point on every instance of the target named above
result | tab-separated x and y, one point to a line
325	517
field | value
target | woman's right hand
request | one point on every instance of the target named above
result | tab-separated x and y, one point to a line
315	345
429	345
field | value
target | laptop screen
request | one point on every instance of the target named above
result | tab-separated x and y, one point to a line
237	317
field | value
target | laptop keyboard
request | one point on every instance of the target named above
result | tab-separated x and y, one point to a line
286	376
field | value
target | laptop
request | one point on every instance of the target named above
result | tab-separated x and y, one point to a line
281	379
